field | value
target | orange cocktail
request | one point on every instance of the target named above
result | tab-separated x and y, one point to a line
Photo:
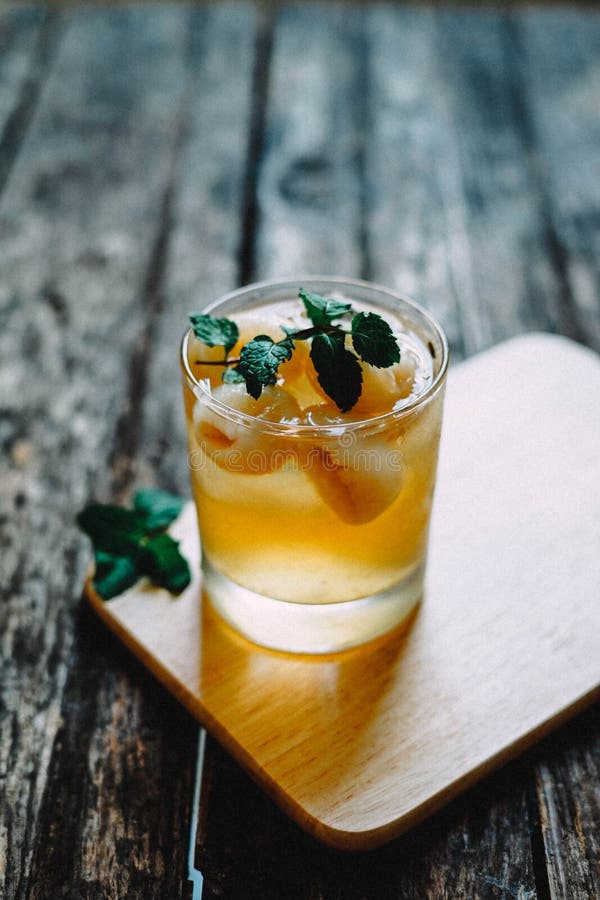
314	519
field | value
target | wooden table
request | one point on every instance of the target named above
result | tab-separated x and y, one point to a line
152	158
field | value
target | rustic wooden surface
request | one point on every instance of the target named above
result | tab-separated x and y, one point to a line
151	158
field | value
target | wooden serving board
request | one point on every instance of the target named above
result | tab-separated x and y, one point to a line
358	747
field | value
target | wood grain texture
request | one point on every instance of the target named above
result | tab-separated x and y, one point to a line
416	209
27	41
390	733
569	797
309	186
77	221
512	284
19	31
561	84
461	853
461	150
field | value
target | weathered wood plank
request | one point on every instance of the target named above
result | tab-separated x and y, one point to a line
249	849
416	212
453	141
519	262
513	288
88	752
309	193
568	792
559	65
27	38
19	31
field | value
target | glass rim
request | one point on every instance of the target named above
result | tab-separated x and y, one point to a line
200	389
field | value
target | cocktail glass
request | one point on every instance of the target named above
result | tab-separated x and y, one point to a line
314	523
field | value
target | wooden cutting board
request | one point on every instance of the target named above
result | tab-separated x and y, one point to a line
358	747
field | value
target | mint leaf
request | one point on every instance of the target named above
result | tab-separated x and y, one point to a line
338	369
112	529
374	341
161	560
215	332
158	507
113	574
232	376
321	311
129	543
259	360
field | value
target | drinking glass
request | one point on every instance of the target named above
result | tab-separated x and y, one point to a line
314	523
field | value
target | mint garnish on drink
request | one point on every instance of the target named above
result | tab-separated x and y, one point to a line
215	332
338	367
260	359
131	543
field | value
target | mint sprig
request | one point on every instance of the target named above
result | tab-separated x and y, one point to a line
260	359
337	362
131	543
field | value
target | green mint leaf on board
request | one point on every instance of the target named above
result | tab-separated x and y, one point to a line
215	332
112	529
321	311
232	376
158	507
161	560
374	341
338	369
130	543
259	360
113	574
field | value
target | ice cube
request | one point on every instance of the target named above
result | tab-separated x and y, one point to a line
245	447
357	473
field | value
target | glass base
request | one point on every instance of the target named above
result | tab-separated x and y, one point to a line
311	627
